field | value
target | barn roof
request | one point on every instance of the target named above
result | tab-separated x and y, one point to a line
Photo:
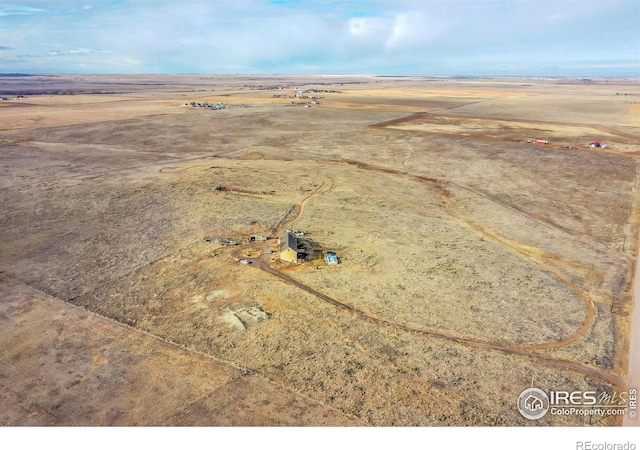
288	240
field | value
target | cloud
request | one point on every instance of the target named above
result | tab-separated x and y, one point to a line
76	51
19	10
391	37
368	27
413	30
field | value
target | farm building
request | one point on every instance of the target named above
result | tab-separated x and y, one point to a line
288	247
331	259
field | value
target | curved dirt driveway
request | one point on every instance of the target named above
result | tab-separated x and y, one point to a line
439	186
592	372
262	263
288	223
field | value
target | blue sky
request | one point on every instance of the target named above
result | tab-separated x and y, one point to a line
426	37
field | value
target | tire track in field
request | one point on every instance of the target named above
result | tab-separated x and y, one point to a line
439	186
262	263
522	351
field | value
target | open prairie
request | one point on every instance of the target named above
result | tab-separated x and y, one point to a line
475	261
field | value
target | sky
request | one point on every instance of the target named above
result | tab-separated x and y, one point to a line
375	37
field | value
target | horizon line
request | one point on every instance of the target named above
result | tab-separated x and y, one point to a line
275	74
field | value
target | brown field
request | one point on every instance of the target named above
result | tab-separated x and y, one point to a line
473	261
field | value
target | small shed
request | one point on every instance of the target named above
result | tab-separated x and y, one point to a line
331	259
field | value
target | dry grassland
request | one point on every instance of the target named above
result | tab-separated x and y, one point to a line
83	370
633	115
472	261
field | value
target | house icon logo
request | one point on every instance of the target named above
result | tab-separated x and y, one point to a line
533	403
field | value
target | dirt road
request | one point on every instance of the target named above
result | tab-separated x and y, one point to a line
262	262
593	372
440	186
302	204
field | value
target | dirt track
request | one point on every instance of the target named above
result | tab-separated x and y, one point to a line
303	203
440	187
592	372
558	144
262	263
